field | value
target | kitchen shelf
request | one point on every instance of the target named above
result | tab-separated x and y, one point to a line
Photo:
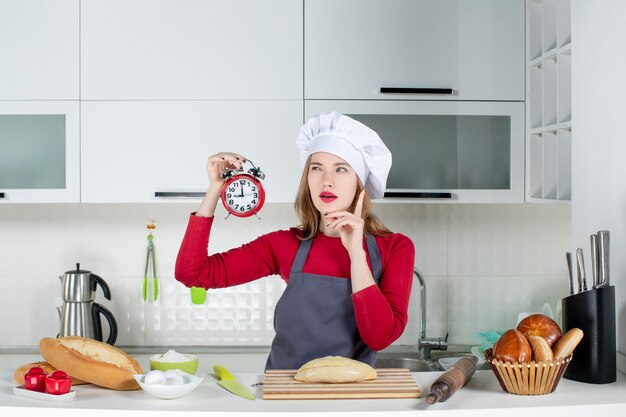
548	101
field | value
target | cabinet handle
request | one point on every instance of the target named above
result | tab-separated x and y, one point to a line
413	194
1	195
401	90
179	194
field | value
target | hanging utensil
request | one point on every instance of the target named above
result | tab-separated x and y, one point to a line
150	260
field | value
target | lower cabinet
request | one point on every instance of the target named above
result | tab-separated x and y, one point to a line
151	151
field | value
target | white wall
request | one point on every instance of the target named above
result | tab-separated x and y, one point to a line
482	263
599	137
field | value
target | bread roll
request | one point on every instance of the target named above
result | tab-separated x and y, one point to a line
540	325
92	361
541	350
335	369
566	345
512	347
19	373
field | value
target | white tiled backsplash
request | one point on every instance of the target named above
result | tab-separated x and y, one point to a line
482	264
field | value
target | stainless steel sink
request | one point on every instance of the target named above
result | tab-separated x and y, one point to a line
412	364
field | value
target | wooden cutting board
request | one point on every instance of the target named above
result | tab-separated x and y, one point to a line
390	383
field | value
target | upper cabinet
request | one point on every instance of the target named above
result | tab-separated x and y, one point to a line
155	151
39	50
196	49
39	152
445	151
419	49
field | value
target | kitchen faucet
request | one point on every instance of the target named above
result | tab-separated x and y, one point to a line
424	344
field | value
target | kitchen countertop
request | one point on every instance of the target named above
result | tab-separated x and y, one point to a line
482	396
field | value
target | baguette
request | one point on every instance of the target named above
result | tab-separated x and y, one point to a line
92	361
566	344
19	373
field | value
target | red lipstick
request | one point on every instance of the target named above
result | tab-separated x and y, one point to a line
327	197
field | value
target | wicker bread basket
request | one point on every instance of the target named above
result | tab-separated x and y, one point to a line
528	378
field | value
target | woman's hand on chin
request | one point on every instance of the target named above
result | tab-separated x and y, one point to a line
350	226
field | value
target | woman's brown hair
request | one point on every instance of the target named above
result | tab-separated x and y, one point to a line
310	217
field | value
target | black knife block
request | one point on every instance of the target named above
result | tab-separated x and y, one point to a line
594	313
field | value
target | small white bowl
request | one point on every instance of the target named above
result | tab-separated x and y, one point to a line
446	363
169	392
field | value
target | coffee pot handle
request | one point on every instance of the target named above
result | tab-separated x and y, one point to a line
95	281
97	323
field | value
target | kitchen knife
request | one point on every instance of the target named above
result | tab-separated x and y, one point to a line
603	258
228	381
582	278
594	259
570	273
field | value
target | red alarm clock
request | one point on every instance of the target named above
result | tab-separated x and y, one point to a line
243	194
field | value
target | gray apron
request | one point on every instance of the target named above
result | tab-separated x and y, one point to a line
315	316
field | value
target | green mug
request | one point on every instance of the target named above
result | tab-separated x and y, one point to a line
198	295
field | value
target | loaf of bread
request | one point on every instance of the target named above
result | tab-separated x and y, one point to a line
19	373
566	344
92	361
512	346
540	325
335	369
541	349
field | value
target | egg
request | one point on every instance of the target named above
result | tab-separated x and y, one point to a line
155	377
173	377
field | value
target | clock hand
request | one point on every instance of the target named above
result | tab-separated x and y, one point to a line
241	192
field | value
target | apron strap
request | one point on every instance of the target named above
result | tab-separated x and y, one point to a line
375	258
372	251
301	255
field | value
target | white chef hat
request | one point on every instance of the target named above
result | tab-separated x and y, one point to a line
353	142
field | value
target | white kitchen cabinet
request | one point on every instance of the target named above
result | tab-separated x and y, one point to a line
39	49
132	150
39	152
353	48
444	151
196	49
549	102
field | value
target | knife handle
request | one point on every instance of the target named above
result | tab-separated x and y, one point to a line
603	258
570	272
222	373
594	259
582	279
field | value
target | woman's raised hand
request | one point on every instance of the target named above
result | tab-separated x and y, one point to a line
350	226
220	162
215	166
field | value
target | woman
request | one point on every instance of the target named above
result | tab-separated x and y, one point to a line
348	277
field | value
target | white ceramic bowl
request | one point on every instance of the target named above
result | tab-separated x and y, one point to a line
446	363
169	392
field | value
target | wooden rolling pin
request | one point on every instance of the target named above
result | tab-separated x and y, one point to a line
452	380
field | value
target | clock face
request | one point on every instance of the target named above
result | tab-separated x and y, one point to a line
243	195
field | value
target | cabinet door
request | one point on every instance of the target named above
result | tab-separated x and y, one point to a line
443	151
39	50
193	49
353	48
39	152
132	150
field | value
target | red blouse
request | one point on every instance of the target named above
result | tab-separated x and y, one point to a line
380	311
